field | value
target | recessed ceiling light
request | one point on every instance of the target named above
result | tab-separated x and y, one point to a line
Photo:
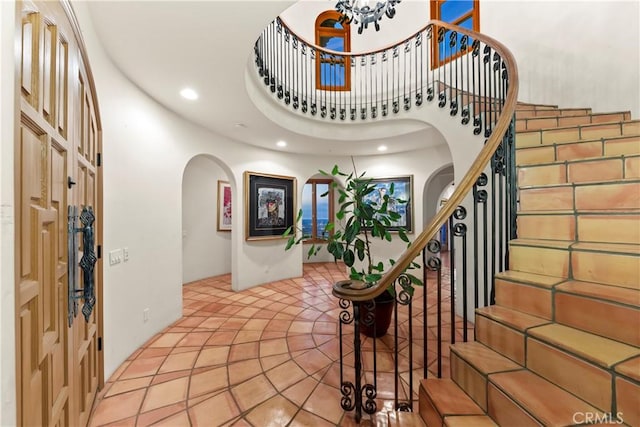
189	94
281	144
382	148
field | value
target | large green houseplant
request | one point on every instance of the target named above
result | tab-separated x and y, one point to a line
364	215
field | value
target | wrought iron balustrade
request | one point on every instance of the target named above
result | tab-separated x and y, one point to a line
475	78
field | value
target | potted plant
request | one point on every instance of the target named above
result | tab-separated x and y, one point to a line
365	214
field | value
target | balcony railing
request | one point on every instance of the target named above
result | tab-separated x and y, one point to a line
475	78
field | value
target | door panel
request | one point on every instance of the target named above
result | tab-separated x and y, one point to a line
58	364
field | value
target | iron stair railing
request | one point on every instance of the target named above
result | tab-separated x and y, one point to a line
475	78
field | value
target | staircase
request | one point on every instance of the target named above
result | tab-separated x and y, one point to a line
562	344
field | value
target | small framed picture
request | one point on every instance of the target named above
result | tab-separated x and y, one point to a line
401	201
224	206
269	205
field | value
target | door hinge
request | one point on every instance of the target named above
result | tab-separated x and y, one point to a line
99	251
99	159
99	343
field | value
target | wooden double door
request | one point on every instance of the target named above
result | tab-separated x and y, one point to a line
57	151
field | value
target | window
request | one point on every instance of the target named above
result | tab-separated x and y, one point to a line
332	72
317	208
463	13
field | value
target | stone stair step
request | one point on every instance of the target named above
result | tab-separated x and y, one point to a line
593	348
627	385
522	398
607	227
405	419
586	380
525	298
546	257
578	309
440	398
469	421
547	225
591	196
503	330
598	169
546	122
611	146
577	133
526	111
471	363
606	263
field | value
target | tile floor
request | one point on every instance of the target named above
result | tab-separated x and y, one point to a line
267	356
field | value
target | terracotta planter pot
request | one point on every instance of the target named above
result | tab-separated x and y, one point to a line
382	316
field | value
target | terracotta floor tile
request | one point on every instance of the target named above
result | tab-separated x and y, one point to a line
118	407
275	412
253	392
285	375
178	362
142	368
222	405
208	381
151	417
166	394
247	358
242	371
168	340
325	403
212	356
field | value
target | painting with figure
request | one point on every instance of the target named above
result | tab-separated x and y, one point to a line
400	201
269	205
224	206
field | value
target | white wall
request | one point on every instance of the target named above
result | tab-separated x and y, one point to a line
7	215
571	53
206	251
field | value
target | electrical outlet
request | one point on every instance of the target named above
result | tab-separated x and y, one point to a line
145	315
115	257
125	254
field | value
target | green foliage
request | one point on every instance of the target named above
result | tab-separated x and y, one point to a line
351	240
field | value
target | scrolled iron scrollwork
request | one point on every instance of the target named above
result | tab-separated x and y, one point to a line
434	263
348	391
345	316
460	213
369	405
475	48
498	161
314	108
434	246
487	54
396	107
459	229
332	113
367	315
343	114
86	263
323	111
430	94
419	99
466	116
353	114
453	39
407	103
363	113
441	32
418	39
374	112
464	43
477	125
404	407
454	108
442	100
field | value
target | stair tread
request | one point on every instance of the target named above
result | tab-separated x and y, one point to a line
621	248
594	212
580	184
448	398
555	244
602	351
605	292
580	160
405	419
483	358
548	403
515	319
585	125
529	278
469	421
630	368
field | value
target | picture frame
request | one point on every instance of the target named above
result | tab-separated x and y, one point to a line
270	202
224	206
403	190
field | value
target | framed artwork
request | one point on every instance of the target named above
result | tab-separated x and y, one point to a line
224	206
269	205
402	190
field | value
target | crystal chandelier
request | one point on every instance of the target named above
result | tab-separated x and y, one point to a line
365	12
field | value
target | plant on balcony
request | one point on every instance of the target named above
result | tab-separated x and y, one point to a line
364	216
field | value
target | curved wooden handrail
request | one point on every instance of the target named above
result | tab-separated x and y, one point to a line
465	185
